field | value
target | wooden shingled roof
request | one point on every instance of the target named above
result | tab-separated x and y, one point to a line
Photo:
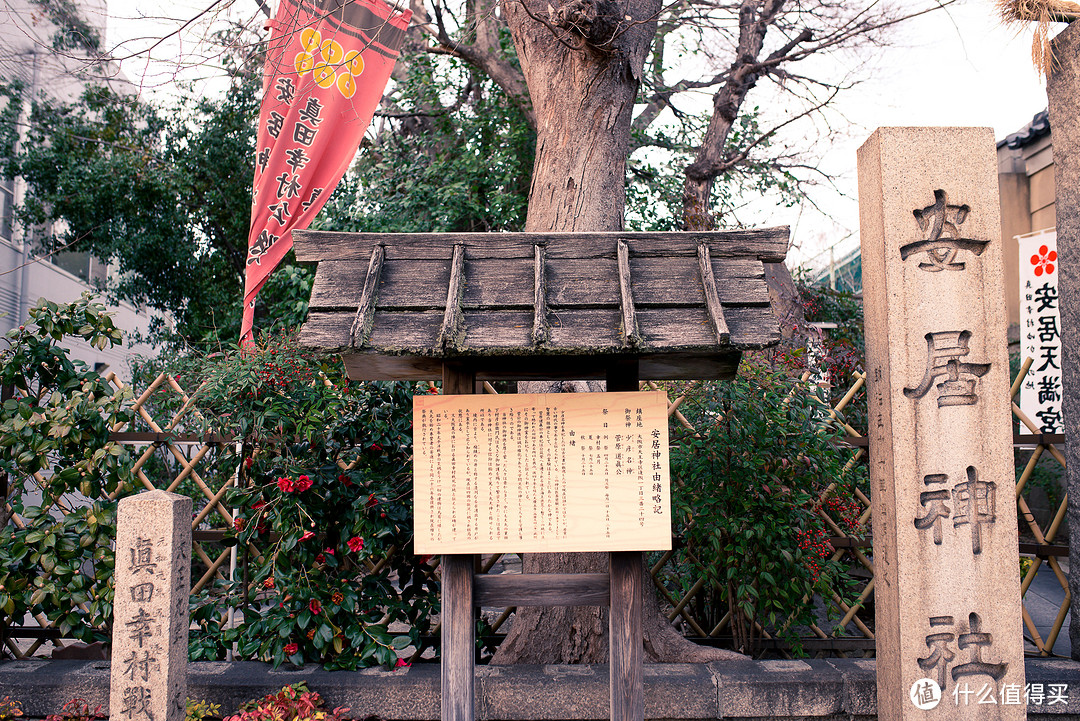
540	305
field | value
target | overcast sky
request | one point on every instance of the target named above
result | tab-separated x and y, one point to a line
962	68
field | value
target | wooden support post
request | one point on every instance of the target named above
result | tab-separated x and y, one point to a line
627	684
458	643
458	629
627	675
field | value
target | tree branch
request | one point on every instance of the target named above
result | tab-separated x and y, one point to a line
487	55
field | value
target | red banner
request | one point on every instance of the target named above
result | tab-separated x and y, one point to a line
327	64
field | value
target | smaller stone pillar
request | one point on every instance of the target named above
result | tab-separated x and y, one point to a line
152	579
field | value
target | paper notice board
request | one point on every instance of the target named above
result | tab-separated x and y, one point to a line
541	473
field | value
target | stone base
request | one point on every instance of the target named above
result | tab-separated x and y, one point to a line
812	689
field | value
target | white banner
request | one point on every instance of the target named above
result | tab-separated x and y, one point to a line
1040	330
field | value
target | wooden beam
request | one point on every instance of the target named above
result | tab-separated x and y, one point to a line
458	380
365	309
453	325
712	300
542	589
768	245
541	329
622	375
625	576
631	336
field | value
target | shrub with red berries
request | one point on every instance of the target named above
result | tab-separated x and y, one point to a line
750	484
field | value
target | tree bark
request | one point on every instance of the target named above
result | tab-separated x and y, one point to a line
582	62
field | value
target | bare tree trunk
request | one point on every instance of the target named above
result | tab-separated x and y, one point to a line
710	161
582	63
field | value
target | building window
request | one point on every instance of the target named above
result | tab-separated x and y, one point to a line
7	209
82	265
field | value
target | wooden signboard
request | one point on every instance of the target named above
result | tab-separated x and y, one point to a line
541	473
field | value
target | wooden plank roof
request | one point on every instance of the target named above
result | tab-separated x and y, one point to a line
528	305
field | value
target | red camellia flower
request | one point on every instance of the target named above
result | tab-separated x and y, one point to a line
402	663
372	501
258	505
355	544
302	484
238	523
315	606
376	447
286	485
291	648
345	479
307	535
338	597
320	558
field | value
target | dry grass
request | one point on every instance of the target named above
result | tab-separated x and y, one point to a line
1041	12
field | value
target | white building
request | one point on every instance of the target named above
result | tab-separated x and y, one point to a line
52	47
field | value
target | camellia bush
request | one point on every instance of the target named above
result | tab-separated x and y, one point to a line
323	511
748	480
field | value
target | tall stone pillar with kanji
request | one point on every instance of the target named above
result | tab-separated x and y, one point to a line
947	588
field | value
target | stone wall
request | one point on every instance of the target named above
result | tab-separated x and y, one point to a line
811	689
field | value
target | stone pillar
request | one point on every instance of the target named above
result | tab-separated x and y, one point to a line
1063	91
947	591
152	579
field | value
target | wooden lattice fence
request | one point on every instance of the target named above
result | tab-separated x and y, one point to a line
171	454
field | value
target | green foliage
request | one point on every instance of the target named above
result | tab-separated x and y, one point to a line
822	304
292	703
73	31
54	445
201	710
748	482
325	494
165	194
60	406
464	168
833	354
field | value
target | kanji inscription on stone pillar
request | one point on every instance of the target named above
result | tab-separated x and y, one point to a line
150	612
947	591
